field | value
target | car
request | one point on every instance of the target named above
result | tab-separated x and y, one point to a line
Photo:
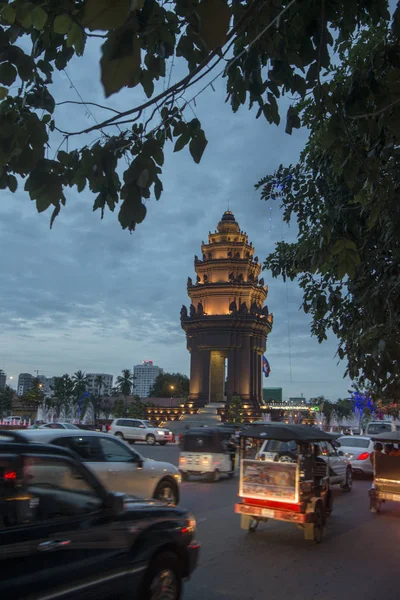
64	536
341	471
376	427
13	420
358	450
58	426
138	430
115	463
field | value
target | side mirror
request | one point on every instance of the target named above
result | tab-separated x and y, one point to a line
337	444
142	427
341	453
139	463
115	502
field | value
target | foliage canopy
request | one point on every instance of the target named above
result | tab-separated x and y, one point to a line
263	49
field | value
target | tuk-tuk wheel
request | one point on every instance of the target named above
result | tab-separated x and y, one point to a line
215	476
185	476
318	523
253	525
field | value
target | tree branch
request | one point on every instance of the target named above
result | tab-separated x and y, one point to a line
183	83
376	113
89	103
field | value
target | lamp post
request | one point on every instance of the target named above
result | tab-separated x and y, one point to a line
171	387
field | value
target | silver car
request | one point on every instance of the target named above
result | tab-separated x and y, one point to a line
118	467
358	450
139	430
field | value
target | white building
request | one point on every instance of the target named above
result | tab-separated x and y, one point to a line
92	386
145	375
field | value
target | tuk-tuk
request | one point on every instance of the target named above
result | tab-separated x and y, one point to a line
297	491
207	451
386	481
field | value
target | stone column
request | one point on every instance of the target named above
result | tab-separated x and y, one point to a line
204	395
244	375
195	374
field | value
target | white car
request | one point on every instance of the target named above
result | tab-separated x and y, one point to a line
59	426
118	467
138	430
13	420
358	450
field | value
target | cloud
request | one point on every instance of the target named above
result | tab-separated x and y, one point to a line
88	295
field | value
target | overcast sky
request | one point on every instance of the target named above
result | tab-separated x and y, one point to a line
87	295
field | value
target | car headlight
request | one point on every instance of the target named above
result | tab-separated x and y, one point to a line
178	478
160	432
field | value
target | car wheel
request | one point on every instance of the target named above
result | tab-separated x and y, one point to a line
348	484
318	523
163	581
119	435
167	492
162	443
150	439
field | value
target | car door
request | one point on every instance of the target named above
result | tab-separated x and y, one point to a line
68	545
87	447
126	471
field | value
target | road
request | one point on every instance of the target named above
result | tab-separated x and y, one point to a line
358	559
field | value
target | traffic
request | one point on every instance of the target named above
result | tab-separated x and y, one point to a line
91	517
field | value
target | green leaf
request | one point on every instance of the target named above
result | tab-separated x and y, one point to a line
62	24
214	18
3	93
8	74
54	214
106	14
197	146
338	247
158	188
12	183
76	38
8	14
146	80
143	178
123	70
39	18
181	141
25	15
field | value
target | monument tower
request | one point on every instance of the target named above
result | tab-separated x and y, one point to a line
227	319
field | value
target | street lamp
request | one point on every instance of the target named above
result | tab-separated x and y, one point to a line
171	387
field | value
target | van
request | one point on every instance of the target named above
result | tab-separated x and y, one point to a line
376	427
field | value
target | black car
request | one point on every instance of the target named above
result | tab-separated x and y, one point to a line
62	535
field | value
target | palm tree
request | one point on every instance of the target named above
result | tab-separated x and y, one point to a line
80	380
99	382
125	385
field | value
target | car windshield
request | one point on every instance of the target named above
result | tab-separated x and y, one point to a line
70	426
375	428
353	442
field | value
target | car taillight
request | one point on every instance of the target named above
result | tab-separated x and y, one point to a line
363	456
10	475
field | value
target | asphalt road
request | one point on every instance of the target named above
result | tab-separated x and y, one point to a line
358	559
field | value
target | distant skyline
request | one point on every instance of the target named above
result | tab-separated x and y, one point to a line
87	295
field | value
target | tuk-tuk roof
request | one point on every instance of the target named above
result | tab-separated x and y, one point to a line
387	436
210	431
285	433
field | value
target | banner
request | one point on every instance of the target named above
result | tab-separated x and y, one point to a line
268	480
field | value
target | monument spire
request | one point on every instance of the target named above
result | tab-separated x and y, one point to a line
227	319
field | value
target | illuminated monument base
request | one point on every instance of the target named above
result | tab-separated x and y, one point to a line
227	323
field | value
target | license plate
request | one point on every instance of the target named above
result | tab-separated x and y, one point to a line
266	512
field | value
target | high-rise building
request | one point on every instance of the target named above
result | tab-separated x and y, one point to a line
92	385
145	376
24	383
3	379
